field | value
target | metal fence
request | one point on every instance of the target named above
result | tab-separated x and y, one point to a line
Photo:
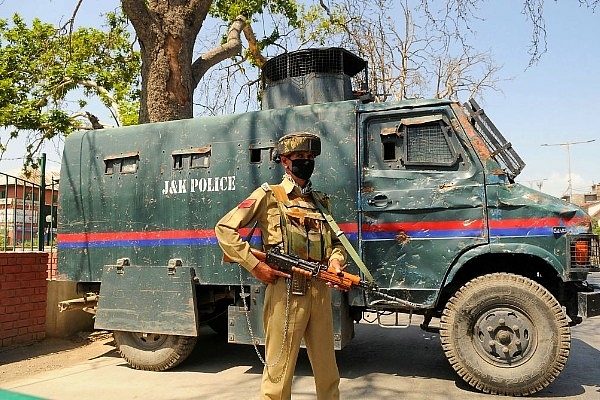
27	215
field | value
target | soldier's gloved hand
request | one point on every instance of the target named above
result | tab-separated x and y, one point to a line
266	274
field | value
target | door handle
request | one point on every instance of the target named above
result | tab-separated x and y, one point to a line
379	200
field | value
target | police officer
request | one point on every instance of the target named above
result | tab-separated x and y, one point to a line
289	218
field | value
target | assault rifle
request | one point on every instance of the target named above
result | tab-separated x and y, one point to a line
344	281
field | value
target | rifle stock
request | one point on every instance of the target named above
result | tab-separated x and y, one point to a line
257	253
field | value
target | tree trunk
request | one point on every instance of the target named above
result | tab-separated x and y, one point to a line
167	82
167	31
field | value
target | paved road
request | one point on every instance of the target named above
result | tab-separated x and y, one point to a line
378	364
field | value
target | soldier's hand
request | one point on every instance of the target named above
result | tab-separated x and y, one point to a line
339	269
266	274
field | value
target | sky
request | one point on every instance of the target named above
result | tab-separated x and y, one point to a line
544	110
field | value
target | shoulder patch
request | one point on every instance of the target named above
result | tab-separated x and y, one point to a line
247	203
265	186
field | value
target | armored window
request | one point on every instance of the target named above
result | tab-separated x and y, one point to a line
129	165
384	143
424	141
427	141
194	158
389	144
255	155
125	163
200	158
109	166
260	152
177	161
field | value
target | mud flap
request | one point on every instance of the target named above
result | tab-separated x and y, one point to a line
156	299
238	330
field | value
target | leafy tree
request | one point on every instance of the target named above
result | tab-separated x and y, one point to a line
416	48
175	59
47	75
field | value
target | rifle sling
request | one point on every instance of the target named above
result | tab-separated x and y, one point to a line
345	242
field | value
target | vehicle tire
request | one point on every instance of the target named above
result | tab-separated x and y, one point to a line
153	351
505	334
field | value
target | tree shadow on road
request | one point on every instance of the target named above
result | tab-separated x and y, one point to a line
49	346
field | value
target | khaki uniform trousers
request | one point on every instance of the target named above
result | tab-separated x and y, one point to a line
310	317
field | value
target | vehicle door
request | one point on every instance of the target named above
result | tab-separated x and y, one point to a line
421	201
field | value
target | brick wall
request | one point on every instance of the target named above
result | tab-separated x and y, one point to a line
23	292
52	264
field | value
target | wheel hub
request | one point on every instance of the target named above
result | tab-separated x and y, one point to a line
149	341
505	336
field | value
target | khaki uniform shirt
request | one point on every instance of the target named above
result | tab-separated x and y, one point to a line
261	206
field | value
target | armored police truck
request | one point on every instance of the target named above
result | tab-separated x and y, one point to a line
423	189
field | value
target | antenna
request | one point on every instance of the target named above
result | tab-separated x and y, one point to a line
537	182
568	146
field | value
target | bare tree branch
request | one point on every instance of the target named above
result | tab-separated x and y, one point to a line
534	10
230	48
253	46
114	105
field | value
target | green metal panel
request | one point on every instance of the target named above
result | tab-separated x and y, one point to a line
246	324
529	246
157	299
417	218
161	210
525	221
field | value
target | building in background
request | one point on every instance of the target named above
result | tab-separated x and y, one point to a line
590	201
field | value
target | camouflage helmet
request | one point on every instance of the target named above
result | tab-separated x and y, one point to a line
299	141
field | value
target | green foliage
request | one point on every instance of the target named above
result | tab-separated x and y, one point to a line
314	26
47	72
596	227
229	10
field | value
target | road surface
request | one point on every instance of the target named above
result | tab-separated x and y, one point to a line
378	364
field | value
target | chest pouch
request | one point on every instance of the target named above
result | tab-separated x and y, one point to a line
305	230
305	233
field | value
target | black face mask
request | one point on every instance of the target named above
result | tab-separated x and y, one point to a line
303	169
